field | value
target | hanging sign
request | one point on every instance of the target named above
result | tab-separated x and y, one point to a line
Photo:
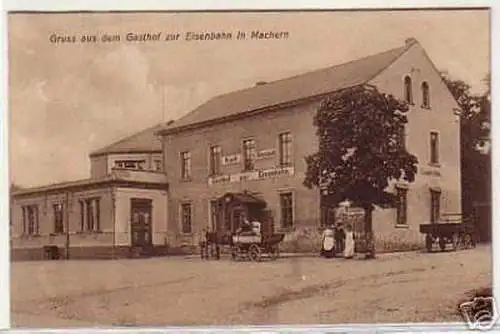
232	159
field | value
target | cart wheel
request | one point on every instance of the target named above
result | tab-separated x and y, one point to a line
254	253
455	241
428	243
442	243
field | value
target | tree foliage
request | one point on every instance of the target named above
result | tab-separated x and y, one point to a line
475	114
475	124
360	150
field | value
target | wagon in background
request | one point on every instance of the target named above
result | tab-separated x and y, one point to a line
452	230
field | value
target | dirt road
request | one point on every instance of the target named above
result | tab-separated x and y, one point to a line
404	287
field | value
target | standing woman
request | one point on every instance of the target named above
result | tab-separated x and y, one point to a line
349	242
328	243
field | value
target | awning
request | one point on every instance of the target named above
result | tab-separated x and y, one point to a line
242	197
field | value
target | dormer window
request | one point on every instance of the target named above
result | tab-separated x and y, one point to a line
408	90
425	95
130	164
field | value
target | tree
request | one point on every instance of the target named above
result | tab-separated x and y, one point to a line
475	121
360	151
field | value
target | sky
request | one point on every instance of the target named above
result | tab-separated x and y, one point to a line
68	99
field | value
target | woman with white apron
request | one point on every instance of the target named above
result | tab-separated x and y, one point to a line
349	242
328	243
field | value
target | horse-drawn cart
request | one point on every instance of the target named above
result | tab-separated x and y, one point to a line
452	230
232	214
254	247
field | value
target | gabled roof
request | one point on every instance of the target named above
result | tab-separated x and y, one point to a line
271	94
143	142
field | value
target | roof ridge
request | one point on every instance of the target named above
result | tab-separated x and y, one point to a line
401	48
124	139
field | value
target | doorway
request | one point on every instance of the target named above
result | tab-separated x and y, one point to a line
238	215
141	222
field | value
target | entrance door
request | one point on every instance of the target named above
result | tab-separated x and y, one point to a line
141	222
238	214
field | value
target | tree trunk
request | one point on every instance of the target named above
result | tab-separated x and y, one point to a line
369	239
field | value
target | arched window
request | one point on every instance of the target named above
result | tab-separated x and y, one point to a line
408	90
425	95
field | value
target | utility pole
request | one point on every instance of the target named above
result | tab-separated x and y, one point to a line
67	225
163	103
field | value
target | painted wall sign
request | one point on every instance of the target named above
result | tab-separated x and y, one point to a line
232	159
265	154
253	175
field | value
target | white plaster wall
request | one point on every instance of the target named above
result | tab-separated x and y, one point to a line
421	121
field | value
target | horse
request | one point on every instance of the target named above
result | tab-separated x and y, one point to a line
210	246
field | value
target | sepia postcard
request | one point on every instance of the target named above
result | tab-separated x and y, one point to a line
250	168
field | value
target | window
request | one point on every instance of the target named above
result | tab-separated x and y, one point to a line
158	165
401	206
130	164
186	165
90	215
408	90
82	215
186	218
327	216
286	205
435	205
425	95
285	149
30	220
248	154
58	218
215	160
434	138
213	215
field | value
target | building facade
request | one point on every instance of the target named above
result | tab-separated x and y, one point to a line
160	188
255	141
119	211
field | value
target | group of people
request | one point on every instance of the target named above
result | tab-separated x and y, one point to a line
253	227
336	240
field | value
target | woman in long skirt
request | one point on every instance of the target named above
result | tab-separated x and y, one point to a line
328	243
349	242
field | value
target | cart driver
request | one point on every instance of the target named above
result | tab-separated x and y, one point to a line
256	226
245	226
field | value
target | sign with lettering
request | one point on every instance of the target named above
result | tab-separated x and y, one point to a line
265	154
252	175
232	159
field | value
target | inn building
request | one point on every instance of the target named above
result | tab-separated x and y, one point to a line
246	149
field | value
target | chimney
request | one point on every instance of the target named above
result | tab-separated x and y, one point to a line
260	83
410	41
